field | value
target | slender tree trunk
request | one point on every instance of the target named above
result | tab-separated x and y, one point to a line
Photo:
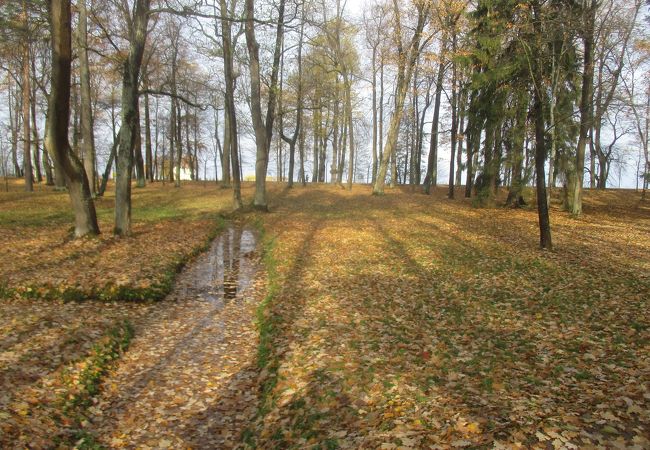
552	126
179	145
14	125
380	149
137	153
340	163
431	177
540	158
316	125
459	151
374	115
515	197
586	105
35	134
26	79
109	166
454	119
87	132
301	152
149	162
297	134
470	132
406	65
129	128
338	126
348	100
231	120
225	161
545	241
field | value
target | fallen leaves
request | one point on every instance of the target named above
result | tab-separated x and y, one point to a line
415	314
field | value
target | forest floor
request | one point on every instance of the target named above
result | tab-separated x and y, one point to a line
402	321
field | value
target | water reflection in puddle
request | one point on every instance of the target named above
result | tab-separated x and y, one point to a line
226	270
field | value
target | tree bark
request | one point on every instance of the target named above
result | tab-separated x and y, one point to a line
586	104
149	162
231	120
26	79
137	153
263	129
431	177
545	240
59	118
454	119
129	128
374	115
297	134
348	106
406	63
87	120
35	134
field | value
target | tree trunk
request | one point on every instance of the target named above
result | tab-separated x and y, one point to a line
545	241
263	129
87	132
137	152
518	138
109	166
586	104
35	135
179	144
225	160
337	127
59	117
297	134
13	122
459	150
380	148
231	119
149	162
431	177
316	125
26	79
454	119
129	128
374	115
406	65
348	107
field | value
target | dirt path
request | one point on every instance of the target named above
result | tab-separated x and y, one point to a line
188	378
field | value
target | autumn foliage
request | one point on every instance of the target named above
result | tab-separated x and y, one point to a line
402	321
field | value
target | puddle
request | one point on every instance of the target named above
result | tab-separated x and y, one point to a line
225	271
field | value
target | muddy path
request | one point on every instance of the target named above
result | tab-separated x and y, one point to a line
188	379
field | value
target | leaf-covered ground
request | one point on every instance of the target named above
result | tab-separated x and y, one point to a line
409	321
42	259
46	341
402	321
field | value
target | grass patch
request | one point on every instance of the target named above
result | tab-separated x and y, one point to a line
147	290
82	381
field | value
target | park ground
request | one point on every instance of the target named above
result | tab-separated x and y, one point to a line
401	321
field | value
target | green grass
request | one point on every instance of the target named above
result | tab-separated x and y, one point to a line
82	382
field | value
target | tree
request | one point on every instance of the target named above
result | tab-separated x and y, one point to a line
589	8
87	120
263	128
59	117
539	90
406	61
293	139
130	116
231	143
